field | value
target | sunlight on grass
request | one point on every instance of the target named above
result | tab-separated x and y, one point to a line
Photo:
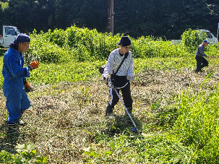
175	108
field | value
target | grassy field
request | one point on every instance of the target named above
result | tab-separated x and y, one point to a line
175	108
66	122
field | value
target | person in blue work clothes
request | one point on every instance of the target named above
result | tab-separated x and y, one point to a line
201	61
15	75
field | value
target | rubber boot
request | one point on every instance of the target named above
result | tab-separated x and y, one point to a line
109	110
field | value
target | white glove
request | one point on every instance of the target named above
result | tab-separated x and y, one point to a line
105	78
130	78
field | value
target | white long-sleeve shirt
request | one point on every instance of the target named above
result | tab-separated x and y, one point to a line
114	61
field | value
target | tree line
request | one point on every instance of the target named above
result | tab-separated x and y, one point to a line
167	19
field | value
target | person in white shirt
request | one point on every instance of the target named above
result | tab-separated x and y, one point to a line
120	77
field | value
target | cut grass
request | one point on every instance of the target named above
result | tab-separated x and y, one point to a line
66	121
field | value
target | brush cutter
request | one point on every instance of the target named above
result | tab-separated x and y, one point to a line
135	129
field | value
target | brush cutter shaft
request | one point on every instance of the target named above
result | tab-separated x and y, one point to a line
125	108
115	89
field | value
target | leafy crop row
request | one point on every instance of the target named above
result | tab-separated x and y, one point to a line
82	44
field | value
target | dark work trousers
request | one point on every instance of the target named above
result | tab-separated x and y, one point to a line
201	62
126	94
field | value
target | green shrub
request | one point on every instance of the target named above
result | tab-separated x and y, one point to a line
58	36
43	50
82	44
192	38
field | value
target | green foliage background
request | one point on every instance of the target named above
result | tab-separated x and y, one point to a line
167	19
82	44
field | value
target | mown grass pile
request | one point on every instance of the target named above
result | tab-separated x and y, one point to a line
176	108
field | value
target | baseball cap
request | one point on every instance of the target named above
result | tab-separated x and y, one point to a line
22	38
205	41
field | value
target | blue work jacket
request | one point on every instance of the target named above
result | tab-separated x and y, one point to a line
13	71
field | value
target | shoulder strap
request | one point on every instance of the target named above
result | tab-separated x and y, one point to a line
126	55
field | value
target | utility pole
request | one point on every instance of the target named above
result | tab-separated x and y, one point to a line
217	33
110	26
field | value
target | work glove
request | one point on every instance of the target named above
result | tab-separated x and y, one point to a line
105	78
27	86
130	78
33	65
